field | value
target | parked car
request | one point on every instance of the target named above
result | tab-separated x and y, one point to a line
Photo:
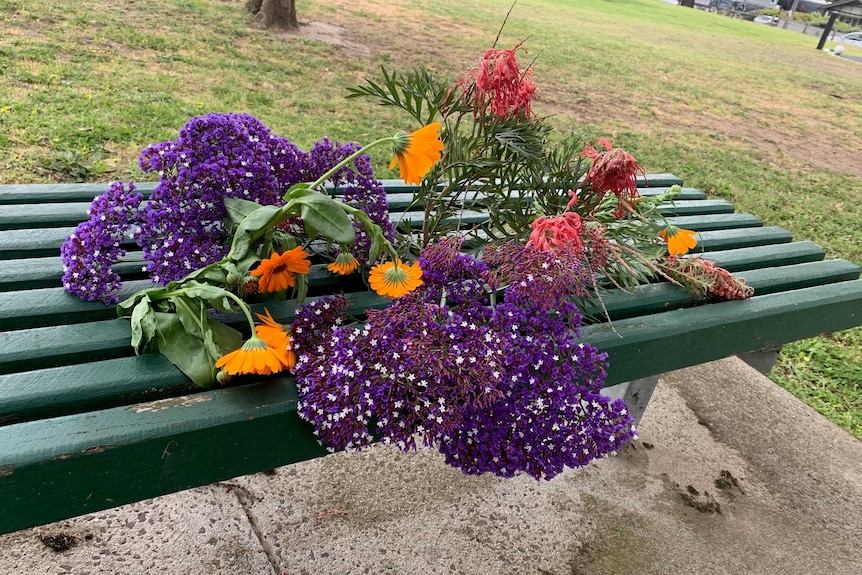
769	20
854	38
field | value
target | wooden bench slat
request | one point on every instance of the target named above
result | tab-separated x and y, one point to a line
120	455
715	240
797	276
664	296
16	217
36	273
741	259
33	243
716	221
654	344
69	389
11	194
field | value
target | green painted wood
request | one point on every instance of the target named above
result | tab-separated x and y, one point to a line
43	347
796	276
18	217
741	259
684	193
711	222
124	454
62	467
69	344
27	308
714	240
54	306
649	345
11	194
35	273
695	208
34	243
68	389
663	296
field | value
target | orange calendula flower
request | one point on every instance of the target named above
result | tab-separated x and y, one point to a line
255	356
679	241
415	153
279	270
344	264
394	279
277	337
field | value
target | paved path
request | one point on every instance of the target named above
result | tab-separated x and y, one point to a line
732	475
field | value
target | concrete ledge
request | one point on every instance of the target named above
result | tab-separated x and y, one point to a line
732	475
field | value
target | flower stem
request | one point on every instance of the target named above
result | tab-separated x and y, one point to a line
334	169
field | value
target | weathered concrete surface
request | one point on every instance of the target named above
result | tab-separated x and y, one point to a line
202	531
731	475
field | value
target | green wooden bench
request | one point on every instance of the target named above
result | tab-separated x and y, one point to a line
85	425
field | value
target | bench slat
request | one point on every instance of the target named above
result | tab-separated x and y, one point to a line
705	223
34	243
714	240
649	345
84	387
56	468
741	259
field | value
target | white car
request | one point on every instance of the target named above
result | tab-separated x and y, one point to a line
769	20
854	38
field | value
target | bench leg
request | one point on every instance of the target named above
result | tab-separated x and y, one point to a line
635	393
761	360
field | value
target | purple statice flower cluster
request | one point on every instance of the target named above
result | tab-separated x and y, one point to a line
95	246
216	156
504	389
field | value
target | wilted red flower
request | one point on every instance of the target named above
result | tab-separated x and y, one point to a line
556	233
500	84
613	170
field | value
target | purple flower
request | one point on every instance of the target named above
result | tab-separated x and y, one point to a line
95	245
216	156
506	389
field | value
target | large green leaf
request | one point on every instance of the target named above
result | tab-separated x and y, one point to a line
185	350
238	209
258	220
216	297
326	217
144	327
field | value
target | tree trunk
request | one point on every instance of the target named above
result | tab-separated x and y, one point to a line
275	14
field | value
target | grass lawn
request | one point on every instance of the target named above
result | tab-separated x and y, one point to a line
750	113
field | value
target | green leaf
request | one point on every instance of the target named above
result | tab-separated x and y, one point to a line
125	308
143	325
325	216
190	351
258	220
238	209
215	296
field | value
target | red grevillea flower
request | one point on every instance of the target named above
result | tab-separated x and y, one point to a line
557	233
500	84
614	170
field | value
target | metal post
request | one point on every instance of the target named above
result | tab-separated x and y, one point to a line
826	30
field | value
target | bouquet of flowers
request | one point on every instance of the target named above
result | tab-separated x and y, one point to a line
477	352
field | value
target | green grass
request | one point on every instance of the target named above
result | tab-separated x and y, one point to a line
749	113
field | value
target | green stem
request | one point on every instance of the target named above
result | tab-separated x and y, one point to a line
333	170
244	309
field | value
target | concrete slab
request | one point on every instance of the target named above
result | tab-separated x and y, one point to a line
732	475
198	531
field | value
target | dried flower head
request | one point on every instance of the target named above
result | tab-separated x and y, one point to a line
614	170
